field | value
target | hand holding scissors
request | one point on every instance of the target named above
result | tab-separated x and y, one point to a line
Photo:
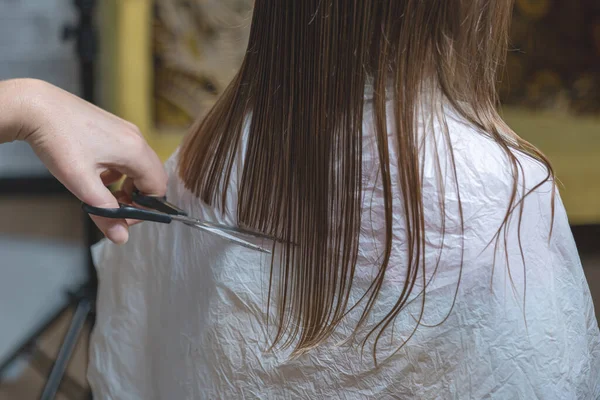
158	209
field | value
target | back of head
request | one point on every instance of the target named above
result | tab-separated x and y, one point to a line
302	82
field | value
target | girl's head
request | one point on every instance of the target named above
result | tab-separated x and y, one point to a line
301	86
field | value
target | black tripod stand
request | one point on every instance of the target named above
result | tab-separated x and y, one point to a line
83	299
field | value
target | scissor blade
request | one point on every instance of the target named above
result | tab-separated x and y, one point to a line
235	230
226	236
232	229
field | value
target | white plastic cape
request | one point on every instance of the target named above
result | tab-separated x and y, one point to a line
181	313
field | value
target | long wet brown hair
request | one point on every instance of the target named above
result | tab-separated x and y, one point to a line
301	86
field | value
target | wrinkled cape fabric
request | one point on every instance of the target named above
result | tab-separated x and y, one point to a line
182	314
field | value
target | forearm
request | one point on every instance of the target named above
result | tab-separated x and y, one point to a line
13	118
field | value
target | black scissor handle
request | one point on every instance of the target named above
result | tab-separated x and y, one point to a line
128	212
156	203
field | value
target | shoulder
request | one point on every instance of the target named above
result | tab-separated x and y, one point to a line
176	190
483	179
485	161
172	167
178	194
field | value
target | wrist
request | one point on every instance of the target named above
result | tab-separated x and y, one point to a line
17	98
11	110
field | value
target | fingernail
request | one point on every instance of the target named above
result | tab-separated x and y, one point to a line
118	233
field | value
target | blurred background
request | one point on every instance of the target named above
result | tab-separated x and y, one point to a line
162	63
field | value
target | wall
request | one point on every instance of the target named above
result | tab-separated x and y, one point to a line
30	41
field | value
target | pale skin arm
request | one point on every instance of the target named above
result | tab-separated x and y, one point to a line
83	146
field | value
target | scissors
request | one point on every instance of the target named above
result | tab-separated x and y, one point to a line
158	209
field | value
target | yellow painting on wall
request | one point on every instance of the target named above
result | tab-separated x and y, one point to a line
198	47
